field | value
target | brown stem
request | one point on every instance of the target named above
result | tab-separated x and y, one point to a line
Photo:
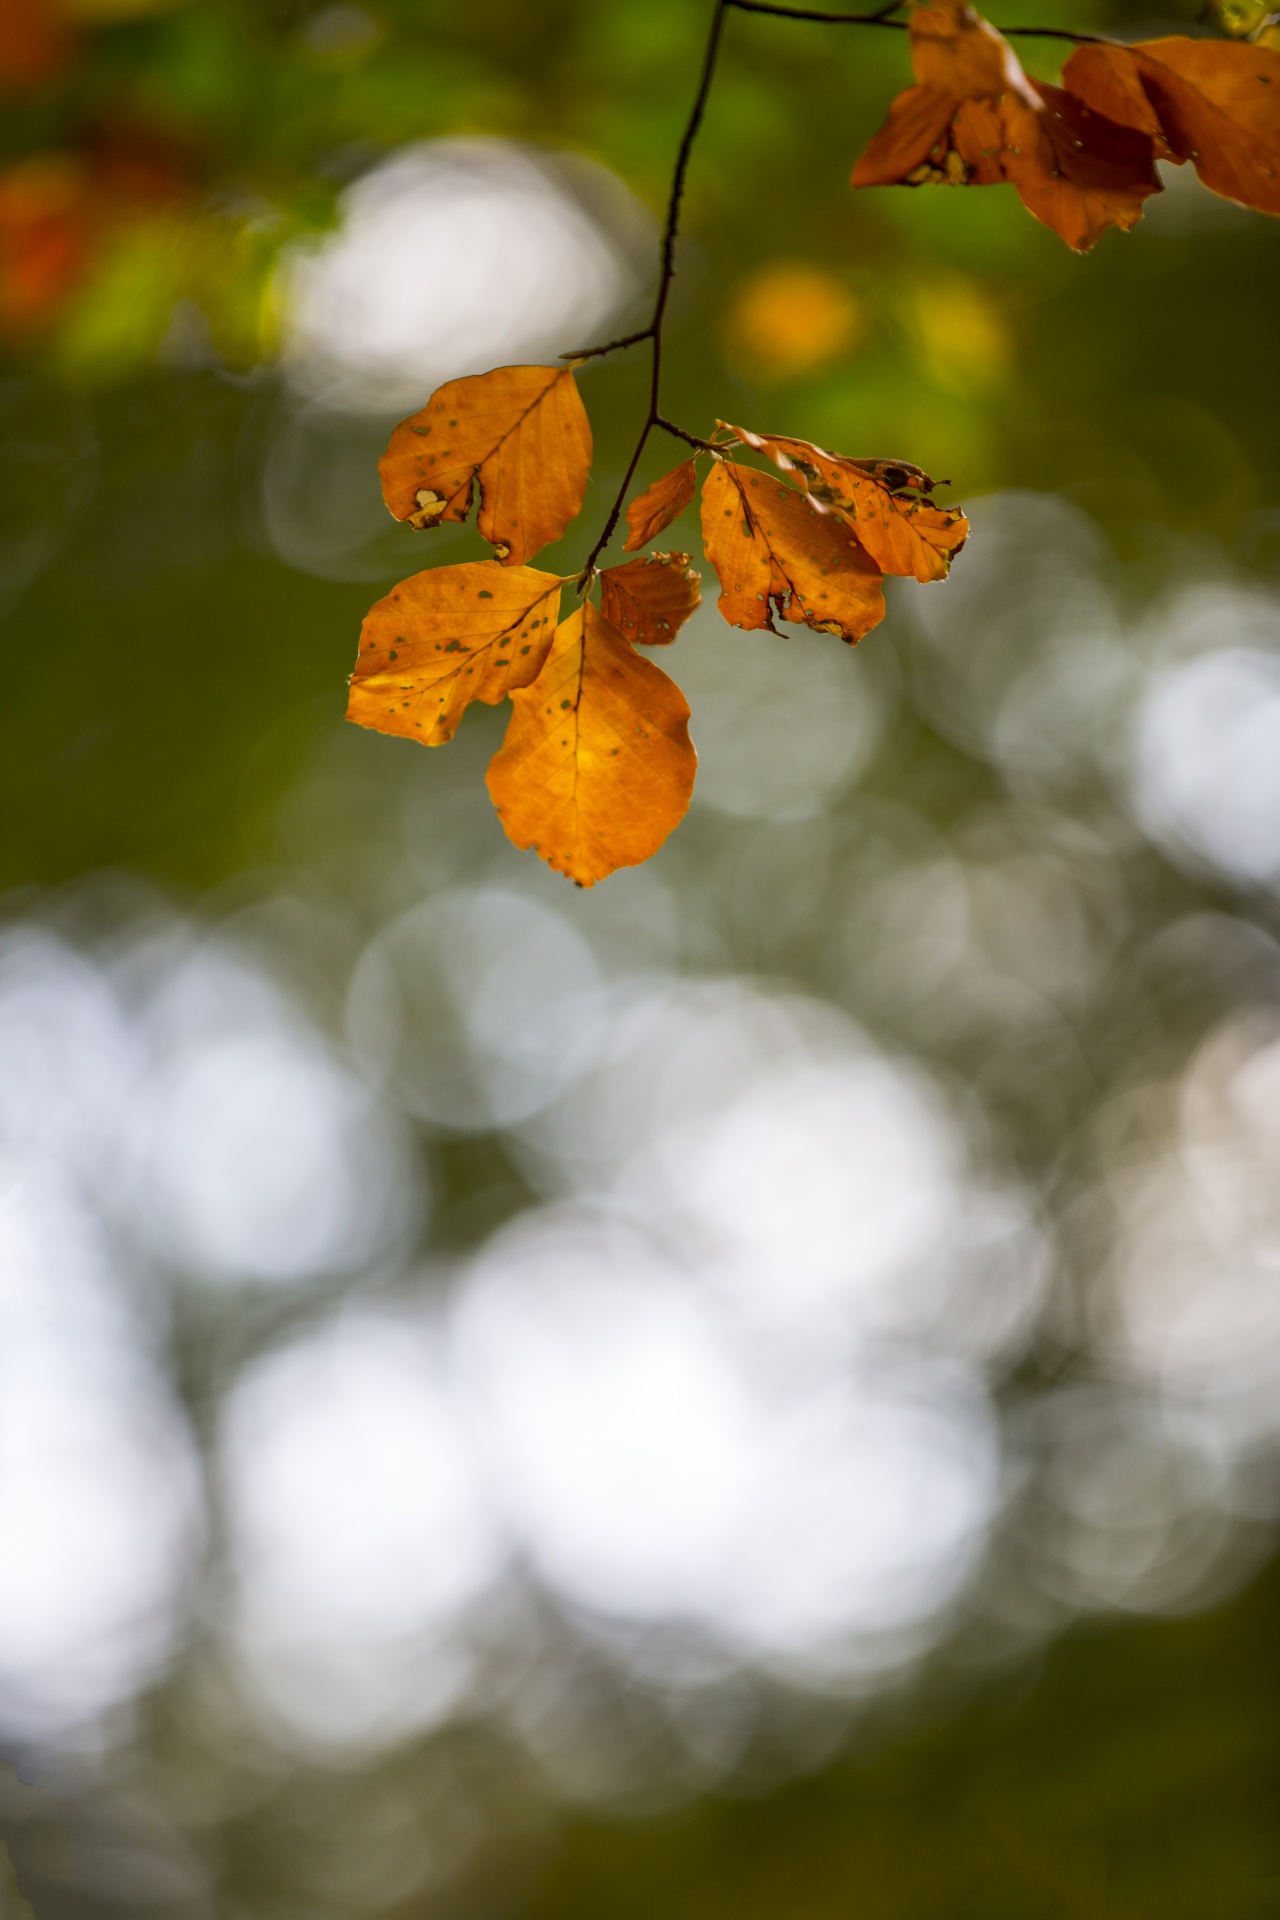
671	229
1058	33
610	346
882	19
878	19
691	439
653	332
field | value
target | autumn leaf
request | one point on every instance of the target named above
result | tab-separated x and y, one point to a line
773	547
597	766
444	638
520	434
1207	101
649	600
654	510
975	119
887	500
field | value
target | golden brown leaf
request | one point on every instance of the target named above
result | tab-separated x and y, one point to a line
901	531
520	433
915	134
955	50
975	119
1074	170
597	766
773	547
1214	103
444	638
649	600
658	506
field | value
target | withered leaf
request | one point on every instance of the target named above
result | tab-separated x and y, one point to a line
654	510
444	638
956	51
649	600
1213	102
775	548
887	501
597	766
975	119
1076	171
520	433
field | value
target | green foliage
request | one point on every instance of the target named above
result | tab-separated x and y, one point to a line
1133	1779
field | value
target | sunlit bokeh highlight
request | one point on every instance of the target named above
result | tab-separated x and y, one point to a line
455	256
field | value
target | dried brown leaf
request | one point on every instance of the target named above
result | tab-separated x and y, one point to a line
597	766
444	638
1213	102
775	548
654	510
975	119
649	600
903	532
520	434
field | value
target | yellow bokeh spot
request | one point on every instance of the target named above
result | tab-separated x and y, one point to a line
958	331
1241	18
789	318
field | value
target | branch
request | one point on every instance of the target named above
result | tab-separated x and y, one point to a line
1059	33
610	346
690	439
882	19
671	228
666	274
877	19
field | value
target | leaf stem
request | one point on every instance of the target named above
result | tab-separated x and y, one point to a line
653	332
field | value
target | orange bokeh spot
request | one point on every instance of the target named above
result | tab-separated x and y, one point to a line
789	317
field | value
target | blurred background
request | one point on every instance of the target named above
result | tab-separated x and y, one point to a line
750	1391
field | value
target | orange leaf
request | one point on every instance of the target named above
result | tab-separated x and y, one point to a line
520	432
955	50
902	532
597	766
649	600
975	119
658	506
1215	102
1074	170
444	638
774	547
915	134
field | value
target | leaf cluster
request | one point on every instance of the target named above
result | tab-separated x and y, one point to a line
597	767
1082	156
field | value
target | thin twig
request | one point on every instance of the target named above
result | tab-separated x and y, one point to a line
610	346
882	19
665	277
878	19
669	426
1058	33
653	332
